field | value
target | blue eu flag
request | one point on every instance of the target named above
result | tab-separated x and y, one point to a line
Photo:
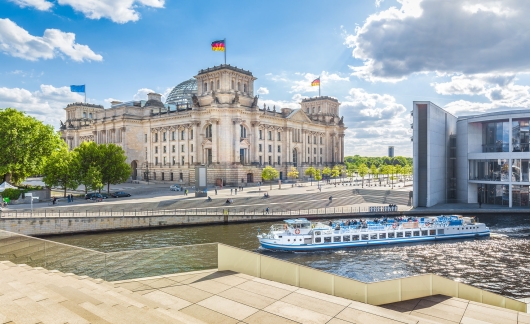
77	88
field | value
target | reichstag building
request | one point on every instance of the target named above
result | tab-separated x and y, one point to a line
213	119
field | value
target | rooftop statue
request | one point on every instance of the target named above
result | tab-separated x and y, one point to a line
236	98
195	101
255	102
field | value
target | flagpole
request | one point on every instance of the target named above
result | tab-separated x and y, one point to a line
319	86
225	50
85	92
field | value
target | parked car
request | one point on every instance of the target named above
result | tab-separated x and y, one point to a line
93	195
118	194
105	196
175	187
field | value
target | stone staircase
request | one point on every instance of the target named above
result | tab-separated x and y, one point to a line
37	295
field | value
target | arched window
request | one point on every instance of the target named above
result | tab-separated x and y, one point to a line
239	86
313	111
205	87
245	87
232	85
90	115
218	84
243	131
209	131
211	85
84	114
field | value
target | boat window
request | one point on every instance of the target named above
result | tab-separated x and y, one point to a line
327	239
336	239
355	237
346	238
288	240
432	232
306	225
364	237
317	233
408	234
416	233
373	236
424	233
441	231
391	235
318	240
382	235
399	234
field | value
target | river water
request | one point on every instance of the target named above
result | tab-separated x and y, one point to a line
499	264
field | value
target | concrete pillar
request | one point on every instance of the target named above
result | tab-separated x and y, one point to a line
215	136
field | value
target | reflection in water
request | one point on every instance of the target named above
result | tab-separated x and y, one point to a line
499	264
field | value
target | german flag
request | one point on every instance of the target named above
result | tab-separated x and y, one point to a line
218	46
315	82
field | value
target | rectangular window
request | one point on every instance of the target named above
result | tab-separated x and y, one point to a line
156	149
373	236
382	236
355	237
320	160
173	149
308	150
336	239
408	234
259	146
399	234
441	232
192	160
364	237
156	137
320	139
318	240
346	238
165	149
191	148
270	135
164	134
308	139
432	232
279	136
270	159
181	135
191	134
260	134
279	149
314	139
182	148
156	160
424	233
260	160
164	160
391	235
181	176
270	148
315	150
320	150
146	138
182	160
173	135
416	233
279	160
174	161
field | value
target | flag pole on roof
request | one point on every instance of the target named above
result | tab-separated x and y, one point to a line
219	46
316	82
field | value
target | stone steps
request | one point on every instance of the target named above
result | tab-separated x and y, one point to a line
36	295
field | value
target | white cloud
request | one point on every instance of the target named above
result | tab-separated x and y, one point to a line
42	5
476	84
17	42
45	104
141	94
119	11
378	3
262	91
374	122
455	36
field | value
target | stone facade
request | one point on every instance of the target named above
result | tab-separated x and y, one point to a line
223	128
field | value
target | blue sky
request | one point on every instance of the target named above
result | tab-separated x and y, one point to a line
375	56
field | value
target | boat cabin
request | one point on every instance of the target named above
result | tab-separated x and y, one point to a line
298	226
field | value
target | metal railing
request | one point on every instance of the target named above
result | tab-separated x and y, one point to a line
231	211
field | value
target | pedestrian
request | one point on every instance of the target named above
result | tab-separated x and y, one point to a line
186	192
216	191
230	191
71	198
235	191
68	198
267	210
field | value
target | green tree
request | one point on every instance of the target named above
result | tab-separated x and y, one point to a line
59	170
293	173
326	172
335	173
318	177
26	143
87	161
11	193
113	167
363	170
269	173
311	173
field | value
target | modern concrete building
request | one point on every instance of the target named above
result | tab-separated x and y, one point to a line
470	159
391	151
214	120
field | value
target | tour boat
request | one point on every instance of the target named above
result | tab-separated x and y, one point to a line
303	235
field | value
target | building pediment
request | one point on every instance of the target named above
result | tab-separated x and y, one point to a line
299	116
245	141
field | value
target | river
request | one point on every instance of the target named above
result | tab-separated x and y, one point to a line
499	264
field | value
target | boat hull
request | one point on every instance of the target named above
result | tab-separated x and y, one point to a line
363	243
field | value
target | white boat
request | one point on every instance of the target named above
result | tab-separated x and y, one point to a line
303	235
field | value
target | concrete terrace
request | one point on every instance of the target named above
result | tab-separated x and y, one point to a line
37	295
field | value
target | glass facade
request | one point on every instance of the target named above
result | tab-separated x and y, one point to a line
520	135
489	170
182	93
496	136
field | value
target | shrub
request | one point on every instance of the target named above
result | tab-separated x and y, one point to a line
12	194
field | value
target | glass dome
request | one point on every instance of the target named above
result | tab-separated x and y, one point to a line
182	93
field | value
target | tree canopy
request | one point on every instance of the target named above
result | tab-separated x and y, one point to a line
269	173
59	169
25	143
293	173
